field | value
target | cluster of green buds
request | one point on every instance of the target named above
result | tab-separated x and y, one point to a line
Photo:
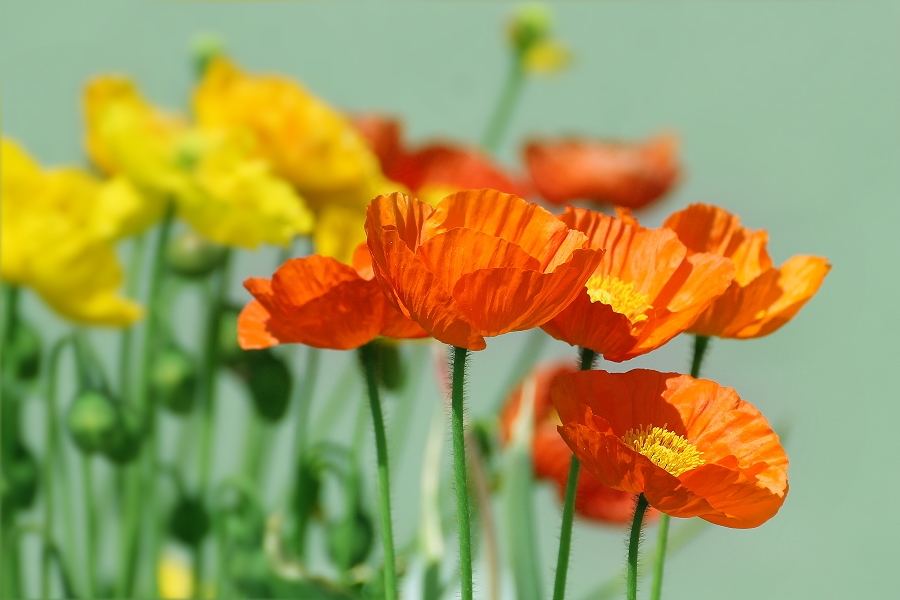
100	425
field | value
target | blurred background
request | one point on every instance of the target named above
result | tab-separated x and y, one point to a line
788	115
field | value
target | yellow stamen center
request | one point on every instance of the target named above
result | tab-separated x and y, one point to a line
620	296
664	448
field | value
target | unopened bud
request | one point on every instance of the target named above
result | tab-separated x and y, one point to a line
92	421
191	255
270	385
173	380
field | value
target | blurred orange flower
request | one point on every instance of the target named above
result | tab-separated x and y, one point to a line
320	302
481	263
632	175
436	170
550	454
761	298
691	446
645	291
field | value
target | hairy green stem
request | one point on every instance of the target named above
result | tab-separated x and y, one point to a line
587	357
633	543
368	355
459	469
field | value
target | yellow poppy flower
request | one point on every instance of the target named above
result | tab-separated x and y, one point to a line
216	179
58	229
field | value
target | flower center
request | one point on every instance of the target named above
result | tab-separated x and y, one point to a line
620	296
664	448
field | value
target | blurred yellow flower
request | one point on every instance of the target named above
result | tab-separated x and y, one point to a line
174	578
58	230
216	178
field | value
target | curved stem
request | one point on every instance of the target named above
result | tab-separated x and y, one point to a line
90	525
661	542
505	105
586	362
633	542
50	461
459	469
368	356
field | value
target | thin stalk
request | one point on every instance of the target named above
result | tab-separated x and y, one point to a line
505	105
210	368
304	401
459	469
145	502
255	441
587	357
661	542
633	543
10	584
50	461
368	356
90	525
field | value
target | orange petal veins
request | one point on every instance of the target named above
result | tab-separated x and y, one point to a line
743	479
631	175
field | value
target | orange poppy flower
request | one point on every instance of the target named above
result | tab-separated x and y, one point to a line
551	456
645	291
481	263
691	446
762	298
632	175
435	170
320	302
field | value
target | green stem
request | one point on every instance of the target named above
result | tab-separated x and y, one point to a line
210	369
304	401
125	352
587	357
368	355
50	461
633	543
255	441
144	502
661	543
701	343
90	525
459	469
505	105
9	550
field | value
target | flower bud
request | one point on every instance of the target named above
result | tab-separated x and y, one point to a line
530	25
350	540
125	442
391	369
20	479
189	522
173	380
190	254
270	385
92	421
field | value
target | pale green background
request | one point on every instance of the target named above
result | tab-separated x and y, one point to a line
789	113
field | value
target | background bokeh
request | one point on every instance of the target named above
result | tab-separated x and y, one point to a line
789	115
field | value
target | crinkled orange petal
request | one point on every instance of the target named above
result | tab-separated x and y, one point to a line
508	217
744	479
707	228
498	301
252	331
631	175
592	325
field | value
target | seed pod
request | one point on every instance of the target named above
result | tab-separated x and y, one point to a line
173	380
191	255
92	421
189	522
270	385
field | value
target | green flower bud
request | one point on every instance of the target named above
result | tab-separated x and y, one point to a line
191	255
25	350
173	380
125	442
530	24
92	420
189	522
350	540
270	385
20	479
